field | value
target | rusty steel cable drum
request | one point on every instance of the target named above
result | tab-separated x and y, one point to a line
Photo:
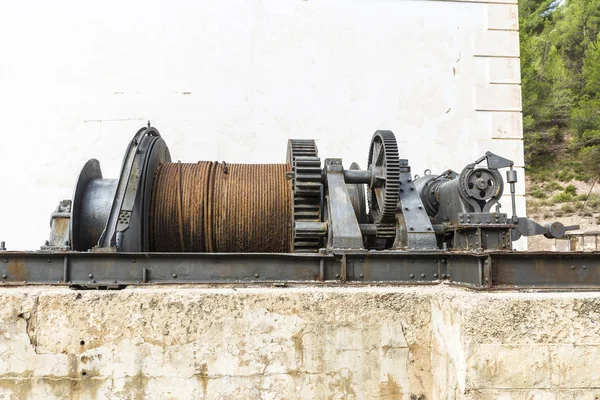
251	209
178	207
212	207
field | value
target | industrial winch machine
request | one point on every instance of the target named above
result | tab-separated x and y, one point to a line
306	221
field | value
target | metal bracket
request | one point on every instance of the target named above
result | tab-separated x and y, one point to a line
418	232
60	221
473	219
344	230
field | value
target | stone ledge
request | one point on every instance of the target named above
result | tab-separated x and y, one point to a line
305	342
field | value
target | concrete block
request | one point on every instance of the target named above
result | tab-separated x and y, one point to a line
496	44
498	97
575	366
508	366
437	342
503	17
230	346
497	70
504	70
501	125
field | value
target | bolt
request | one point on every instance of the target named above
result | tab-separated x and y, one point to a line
411	228
428	228
360	260
406	208
572	267
412	188
409	180
256	275
337	276
133	260
422	275
361	276
48	260
6	260
412	276
420	207
584	267
412	261
435	275
174	276
90	276
4	276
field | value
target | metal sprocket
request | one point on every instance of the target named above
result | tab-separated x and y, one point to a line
302	156
384	163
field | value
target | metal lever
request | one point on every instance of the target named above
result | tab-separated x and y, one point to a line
555	230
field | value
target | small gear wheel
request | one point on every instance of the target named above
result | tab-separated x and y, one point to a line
384	163
302	156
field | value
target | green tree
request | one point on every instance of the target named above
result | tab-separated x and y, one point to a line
560	53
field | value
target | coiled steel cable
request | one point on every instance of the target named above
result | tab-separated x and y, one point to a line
212	207
178	206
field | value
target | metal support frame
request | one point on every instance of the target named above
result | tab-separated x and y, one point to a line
415	230
344	230
126	229
483	271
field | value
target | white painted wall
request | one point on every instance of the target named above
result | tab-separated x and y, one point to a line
233	80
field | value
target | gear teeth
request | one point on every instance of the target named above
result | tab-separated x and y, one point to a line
303	157
386	231
385	214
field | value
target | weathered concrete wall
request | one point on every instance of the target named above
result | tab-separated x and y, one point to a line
516	345
339	343
233	80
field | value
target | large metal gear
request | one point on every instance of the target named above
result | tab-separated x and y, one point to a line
384	163
302	156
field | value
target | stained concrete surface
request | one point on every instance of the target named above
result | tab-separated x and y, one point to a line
307	342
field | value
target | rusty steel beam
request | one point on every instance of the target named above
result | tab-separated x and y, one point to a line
494	270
